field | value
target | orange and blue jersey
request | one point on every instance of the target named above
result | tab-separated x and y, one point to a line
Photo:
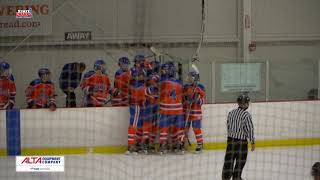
121	84
153	89
150	125
152	96
171	110
197	94
171	96
150	113
138	93
137	74
194	94
152	105
153	80
137	89
96	87
7	91
137	100
40	94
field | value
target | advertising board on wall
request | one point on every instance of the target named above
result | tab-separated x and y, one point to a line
237	77
21	18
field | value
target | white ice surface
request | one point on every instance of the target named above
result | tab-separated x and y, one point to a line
263	164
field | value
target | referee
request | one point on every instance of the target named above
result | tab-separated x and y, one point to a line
69	80
240	128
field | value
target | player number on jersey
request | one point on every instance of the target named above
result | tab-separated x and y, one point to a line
173	94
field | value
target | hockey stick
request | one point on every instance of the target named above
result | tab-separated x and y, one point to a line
155	51
194	86
5	106
196	55
8	103
109	100
161	54
187	125
203	24
56	96
174	58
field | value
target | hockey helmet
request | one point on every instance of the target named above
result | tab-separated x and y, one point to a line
43	71
243	99
5	69
139	59
100	65
194	76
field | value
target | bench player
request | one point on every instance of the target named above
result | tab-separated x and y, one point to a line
7	87
41	92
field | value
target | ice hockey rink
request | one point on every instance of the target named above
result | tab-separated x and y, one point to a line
266	49
287	144
263	164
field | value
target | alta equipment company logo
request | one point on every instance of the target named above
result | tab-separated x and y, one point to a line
39	163
24	13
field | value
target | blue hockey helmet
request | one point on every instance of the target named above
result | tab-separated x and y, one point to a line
165	67
139	59
194	76
99	65
5	69
43	71
169	69
124	60
4	66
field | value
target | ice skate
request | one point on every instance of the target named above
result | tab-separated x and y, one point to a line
199	148
180	148
131	150
152	149
163	149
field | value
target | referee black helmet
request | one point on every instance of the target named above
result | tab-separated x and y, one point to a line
315	171
243	99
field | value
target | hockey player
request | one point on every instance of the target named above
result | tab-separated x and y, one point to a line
137	98
7	87
96	86
121	83
151	112
40	93
194	94
171	110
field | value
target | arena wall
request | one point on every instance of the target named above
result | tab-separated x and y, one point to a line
287	35
107	127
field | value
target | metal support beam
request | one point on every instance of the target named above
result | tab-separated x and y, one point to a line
267	80
247	29
244	29
319	79
213	82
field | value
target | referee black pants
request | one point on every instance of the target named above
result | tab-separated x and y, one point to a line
237	151
70	99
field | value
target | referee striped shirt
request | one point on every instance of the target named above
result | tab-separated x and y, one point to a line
240	125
